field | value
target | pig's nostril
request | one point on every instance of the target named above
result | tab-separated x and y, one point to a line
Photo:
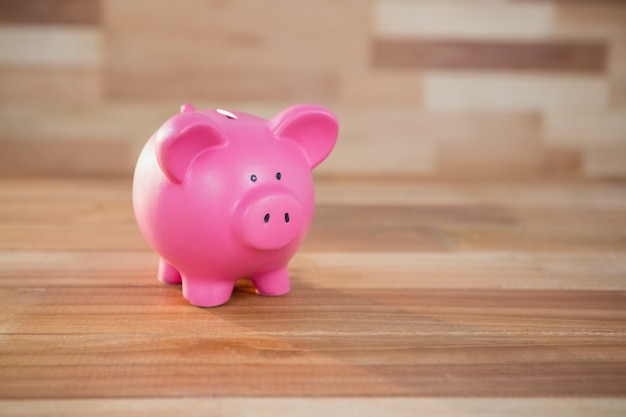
286	217
266	218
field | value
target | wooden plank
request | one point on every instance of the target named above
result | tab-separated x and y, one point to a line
236	84
511	270
413	228
116	235
248	50
599	20
81	12
345	228
189	350
400	192
325	236
403	155
519	162
413	138
543	315
315	312
516	153
608	163
412	135
477	228
379	88
458	143
394	342
585	130
509	91
66	157
478	222
537	239
339	270
111	195
458	19
301	407
83	268
618	91
266	351
50	46
583	57
131	121
594	379
128	121
247	31
50	84
617	71
562	163
76	137
590	19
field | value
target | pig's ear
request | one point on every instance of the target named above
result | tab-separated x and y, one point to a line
181	139
312	127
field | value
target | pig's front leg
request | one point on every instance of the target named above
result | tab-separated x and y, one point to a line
206	291
275	282
167	274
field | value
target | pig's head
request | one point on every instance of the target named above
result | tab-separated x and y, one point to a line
255	173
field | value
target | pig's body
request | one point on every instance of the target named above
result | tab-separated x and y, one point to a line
222	196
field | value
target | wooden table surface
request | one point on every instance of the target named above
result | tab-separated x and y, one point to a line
408	298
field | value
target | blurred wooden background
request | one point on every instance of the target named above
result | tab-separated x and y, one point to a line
446	89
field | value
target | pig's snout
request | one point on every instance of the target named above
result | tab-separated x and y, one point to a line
270	221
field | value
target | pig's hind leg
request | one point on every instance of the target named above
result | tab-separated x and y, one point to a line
167	274
272	283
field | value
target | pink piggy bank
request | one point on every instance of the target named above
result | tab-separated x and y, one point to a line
225	195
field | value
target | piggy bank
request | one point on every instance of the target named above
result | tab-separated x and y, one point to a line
223	195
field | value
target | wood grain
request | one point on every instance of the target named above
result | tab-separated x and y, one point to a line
459	19
562	163
342	270
242	49
605	163
47	85
589	57
379	87
54	46
608	129
239	84
598	19
495	298
447	90
81	12
89	157
286	352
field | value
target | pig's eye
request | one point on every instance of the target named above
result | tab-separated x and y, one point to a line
278	176
253	178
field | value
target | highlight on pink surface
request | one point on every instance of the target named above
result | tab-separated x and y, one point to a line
223	195
187	107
